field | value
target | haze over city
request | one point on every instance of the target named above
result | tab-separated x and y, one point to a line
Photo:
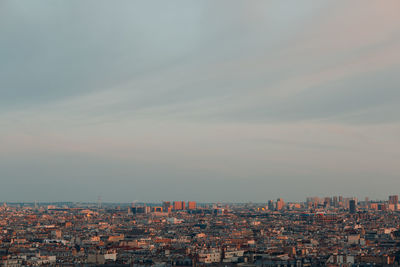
230	101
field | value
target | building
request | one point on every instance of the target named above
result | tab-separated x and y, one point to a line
270	205
140	210
212	256
166	205
352	206
101	258
394	200
280	204
335	201
192	205
157	209
327	202
179	205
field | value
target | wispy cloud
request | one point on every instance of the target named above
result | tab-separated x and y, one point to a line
161	93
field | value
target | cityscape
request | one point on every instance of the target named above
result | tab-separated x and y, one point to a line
328	231
199	133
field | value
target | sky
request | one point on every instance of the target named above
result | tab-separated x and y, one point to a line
211	101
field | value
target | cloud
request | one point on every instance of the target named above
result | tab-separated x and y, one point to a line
215	95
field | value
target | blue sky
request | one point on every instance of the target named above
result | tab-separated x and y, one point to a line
198	100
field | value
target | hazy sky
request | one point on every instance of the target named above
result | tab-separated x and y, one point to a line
199	100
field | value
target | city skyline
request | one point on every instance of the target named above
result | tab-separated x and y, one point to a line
319	232
190	203
230	101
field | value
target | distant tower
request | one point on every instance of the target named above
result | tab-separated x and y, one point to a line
394	200
166	205
99	202
280	204
335	201
270	205
352	206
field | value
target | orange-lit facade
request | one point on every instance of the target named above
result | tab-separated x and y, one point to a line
192	205
179	205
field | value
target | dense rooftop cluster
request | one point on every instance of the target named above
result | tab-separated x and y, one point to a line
319	232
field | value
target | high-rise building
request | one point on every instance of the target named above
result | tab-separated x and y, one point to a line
335	201
393	202
270	205
280	204
394	199
327	202
166	205
192	205
179	205
352	206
